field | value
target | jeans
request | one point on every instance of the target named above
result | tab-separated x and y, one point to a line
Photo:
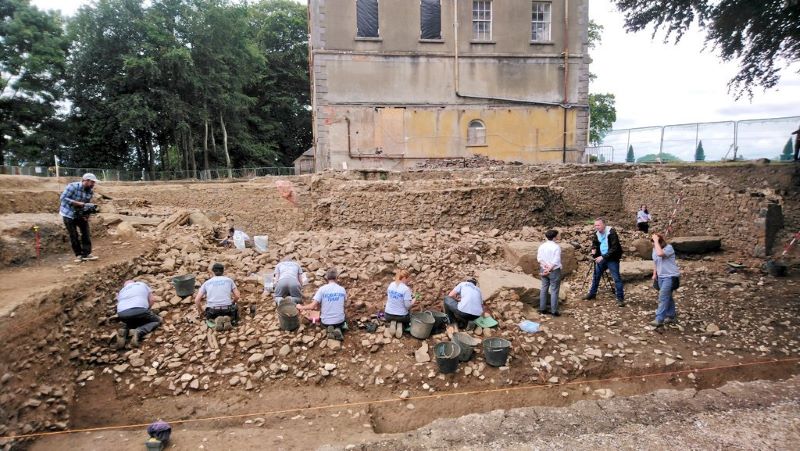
231	310
666	304
141	319
551	284
455	315
613	267
81	247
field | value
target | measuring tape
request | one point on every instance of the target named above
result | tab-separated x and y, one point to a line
668	230
790	245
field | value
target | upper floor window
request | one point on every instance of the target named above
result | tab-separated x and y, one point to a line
430	19
476	133
482	20
367	18
540	21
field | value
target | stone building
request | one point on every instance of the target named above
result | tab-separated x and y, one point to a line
399	81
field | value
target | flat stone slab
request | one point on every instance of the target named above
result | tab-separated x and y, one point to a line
493	281
696	244
637	270
523	254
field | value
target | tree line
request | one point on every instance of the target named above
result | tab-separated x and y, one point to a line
160	85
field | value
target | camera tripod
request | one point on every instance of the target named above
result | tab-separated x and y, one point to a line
605	278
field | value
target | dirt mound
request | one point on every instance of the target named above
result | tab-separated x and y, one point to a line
28	183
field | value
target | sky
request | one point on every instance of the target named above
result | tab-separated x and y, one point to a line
657	83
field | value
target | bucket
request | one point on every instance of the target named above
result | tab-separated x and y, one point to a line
421	325
464	342
776	269
496	351
440	321
260	243
447	354
184	285
288	316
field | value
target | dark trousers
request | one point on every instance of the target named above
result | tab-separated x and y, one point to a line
339	326
455	315
643	226
230	310
81	247
141	319
613	268
405	319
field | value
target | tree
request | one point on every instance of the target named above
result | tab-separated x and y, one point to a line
32	58
630	158
603	114
787	153
763	35
699	153
654	157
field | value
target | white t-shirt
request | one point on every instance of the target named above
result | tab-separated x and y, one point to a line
132	296
398	299
549	254
331	297
471	299
218	290
288	270
641	216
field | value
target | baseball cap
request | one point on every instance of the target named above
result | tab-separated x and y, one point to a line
90	176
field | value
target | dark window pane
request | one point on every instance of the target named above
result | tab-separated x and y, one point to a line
367	18
430	19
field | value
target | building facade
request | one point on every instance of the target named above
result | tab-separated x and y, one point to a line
395	82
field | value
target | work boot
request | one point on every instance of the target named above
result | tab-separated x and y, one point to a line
589	297
135	338
219	323
389	330
657	324
121	338
337	334
620	302
398	330
330	333
78	259
89	257
226	323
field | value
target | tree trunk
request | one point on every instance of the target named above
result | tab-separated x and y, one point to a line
225	146
213	140
190	145
205	146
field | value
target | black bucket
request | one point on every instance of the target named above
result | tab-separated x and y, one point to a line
184	285
447	354
496	351
288	316
463	341
440	322
777	269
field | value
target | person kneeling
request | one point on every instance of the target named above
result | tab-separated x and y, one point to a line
469	307
330	299
221	296
398	301
134	301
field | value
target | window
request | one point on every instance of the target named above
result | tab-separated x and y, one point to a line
540	22
430	19
482	20
367	18
476	133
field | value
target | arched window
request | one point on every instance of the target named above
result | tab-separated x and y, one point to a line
476	133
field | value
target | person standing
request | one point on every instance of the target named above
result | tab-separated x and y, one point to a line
464	303
75	200
796	145
549	257
643	219
607	252
398	301
221	296
134	302
330	298
667	274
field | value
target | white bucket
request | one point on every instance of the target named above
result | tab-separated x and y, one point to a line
260	242
269	282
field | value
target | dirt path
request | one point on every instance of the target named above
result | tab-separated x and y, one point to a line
19	285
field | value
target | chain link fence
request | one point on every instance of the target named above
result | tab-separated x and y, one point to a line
728	140
116	175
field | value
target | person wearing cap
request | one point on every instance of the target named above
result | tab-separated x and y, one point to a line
75	200
134	302
464	303
330	299
221	296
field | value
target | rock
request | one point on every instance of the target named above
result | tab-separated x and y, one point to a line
333	344
233	381
696	244
668	361
635	270
711	328
194	384
186	377
168	265
285	350
594	353
405	394
121	368
32	402
125	231
643	248
198	218
330	366
524	253
421	354
493	281
255	358
604	393
553	380
6	377
137	362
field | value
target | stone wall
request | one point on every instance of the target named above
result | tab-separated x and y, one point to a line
594	194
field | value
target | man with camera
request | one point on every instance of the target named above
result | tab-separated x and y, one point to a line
606	252
75	209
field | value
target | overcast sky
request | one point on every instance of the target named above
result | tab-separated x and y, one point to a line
654	83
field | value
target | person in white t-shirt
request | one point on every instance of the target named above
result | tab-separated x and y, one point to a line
221	295
134	301
330	299
643	219
464	303
288	279
549	257
398	301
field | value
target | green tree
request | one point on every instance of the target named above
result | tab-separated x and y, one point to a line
32	57
699	153
630	158
787	153
763	36
602	114
653	158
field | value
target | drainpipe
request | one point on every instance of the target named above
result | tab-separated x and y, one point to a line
566	76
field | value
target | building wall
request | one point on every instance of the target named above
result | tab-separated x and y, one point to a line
398	96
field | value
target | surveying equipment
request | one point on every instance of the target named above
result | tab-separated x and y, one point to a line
604	278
